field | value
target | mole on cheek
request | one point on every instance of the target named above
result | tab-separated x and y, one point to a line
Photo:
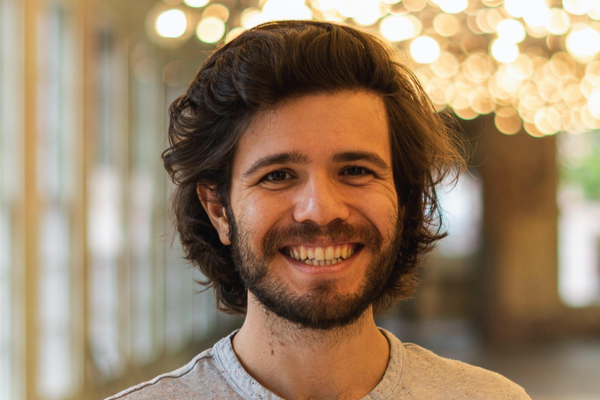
272	352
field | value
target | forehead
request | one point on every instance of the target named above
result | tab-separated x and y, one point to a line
318	125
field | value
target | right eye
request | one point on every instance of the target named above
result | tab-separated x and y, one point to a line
276	176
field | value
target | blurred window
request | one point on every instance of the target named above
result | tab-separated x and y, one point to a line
10	181
167	309
143	298
107	274
579	219
5	226
145	189
187	312
55	154
449	280
462	207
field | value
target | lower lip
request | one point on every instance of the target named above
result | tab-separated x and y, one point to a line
322	269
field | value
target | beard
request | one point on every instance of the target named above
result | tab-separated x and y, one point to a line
322	307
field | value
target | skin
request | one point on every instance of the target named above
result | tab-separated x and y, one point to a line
346	362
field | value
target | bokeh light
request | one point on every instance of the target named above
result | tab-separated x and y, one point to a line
367	13
505	51
594	103
196	3
171	24
514	8
425	50
216	10
279	10
507	121
397	28
452	6
511	30
534	64
547	120
446	24
233	33
577	7
594	11
532	130
559	22
251	17
536	13
583	43
446	66
414	5
210	30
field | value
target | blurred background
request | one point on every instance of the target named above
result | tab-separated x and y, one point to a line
94	293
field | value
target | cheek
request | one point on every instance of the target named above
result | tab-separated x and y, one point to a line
382	212
258	215
386	224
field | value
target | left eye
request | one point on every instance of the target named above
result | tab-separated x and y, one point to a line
356	171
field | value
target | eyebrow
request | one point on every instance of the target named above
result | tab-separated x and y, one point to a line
279	158
349	156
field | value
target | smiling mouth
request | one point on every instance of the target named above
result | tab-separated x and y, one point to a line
316	255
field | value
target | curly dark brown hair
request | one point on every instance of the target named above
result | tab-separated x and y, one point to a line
275	62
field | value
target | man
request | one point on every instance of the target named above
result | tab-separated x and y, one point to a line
306	161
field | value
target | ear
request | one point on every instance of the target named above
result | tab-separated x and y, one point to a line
215	211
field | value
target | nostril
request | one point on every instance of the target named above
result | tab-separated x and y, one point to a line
320	214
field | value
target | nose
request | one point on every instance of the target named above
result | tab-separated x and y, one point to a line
320	202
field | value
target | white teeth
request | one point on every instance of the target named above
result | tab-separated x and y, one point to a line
319	254
329	253
338	252
315	262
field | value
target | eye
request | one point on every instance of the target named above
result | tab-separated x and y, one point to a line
276	176
357	171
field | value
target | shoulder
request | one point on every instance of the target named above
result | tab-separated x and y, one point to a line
429	374
200	378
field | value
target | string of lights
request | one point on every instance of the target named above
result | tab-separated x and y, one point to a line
532	63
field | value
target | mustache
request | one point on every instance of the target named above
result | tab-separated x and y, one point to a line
339	231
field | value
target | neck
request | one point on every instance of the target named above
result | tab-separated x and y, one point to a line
295	362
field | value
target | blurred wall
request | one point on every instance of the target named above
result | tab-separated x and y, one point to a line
519	285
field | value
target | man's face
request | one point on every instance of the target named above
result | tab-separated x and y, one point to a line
313	215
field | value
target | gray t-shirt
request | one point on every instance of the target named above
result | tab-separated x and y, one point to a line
412	373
